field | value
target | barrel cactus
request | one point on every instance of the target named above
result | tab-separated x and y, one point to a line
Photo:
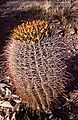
36	61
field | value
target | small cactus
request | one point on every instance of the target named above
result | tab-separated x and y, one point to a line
36	64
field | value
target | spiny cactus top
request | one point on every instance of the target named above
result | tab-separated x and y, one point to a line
31	31
37	70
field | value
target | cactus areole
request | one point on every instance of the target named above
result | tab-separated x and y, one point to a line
36	64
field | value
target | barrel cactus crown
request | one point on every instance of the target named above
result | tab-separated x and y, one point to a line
31	31
36	64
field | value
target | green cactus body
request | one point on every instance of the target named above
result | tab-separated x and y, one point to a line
37	65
